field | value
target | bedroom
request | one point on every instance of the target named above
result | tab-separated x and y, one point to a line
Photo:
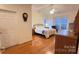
49	20
53	16
48	30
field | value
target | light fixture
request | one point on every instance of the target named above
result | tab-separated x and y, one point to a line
52	11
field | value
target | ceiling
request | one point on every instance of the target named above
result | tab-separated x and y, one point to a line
59	8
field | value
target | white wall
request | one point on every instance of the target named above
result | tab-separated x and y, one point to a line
21	31
37	18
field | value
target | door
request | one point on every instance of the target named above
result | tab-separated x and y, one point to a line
8	29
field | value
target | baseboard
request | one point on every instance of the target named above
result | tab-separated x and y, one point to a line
18	44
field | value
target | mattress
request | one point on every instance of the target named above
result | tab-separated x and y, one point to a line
45	31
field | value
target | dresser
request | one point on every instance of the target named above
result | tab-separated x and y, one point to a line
65	44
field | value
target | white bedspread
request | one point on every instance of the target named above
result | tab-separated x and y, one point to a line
45	31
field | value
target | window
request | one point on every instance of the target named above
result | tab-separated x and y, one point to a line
48	23
61	23
64	23
58	23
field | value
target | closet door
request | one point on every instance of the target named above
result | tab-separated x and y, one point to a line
8	30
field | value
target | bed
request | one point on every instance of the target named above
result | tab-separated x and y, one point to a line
46	31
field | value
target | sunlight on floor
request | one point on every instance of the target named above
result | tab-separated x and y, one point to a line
49	52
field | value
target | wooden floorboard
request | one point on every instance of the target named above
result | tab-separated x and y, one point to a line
38	45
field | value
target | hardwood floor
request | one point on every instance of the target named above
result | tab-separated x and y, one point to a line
39	45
